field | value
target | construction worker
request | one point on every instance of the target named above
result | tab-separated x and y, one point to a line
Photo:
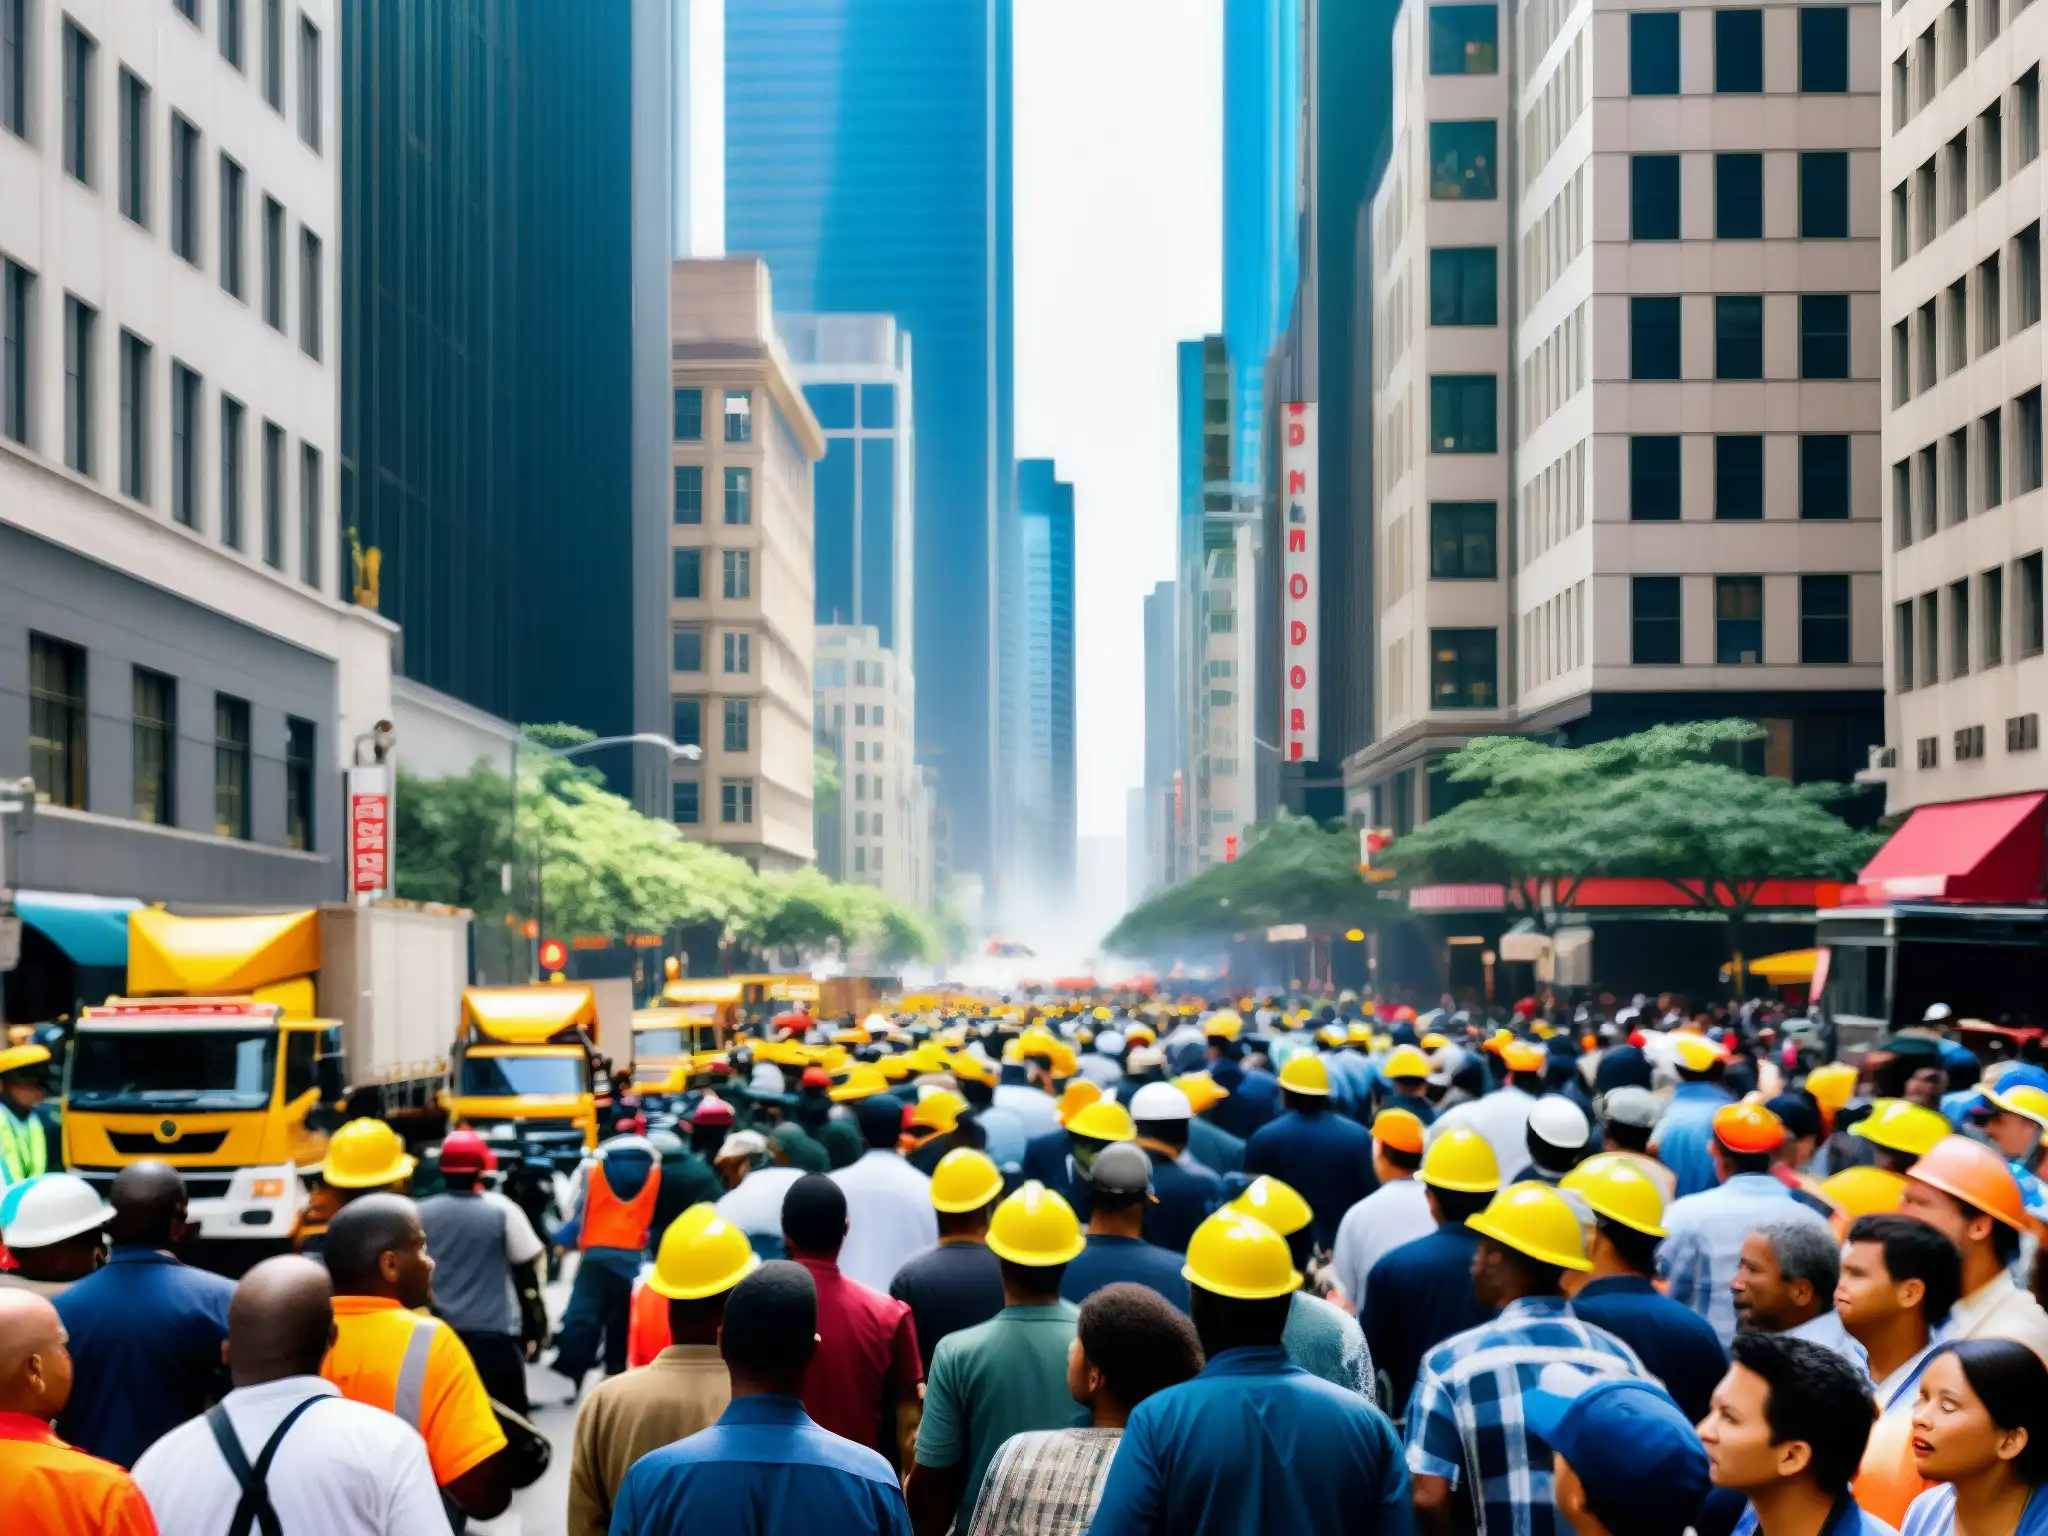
1253	1094
28	1138
1006	1376
1183	1191
1120	1185
54	1226
1025	1085
1046	1157
1421	1292
684	1388
1684	1136
888	1202
1786	1431
958	1282
1324	1155
1965	1191
1321	1337
1628	1114
1003	1136
1625	1459
935	1128
840	1133
1405	1071
1900	1280
1899	1135
1254	1444
609	1222
2016	1125
1208	1143
46	1487
1469	1442
1100	1123
1785	1283
487	1284
1395	1213
364	1157
1675	1344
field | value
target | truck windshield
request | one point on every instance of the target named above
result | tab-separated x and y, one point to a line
507	1076
186	1069
658	1042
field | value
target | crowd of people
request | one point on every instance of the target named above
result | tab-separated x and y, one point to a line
1280	1267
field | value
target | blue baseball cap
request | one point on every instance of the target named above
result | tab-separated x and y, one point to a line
1639	1460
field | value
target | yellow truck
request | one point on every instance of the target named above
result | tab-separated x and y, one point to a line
523	1062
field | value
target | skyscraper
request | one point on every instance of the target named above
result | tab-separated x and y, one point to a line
868	159
1038	766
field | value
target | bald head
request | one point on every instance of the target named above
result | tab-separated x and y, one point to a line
376	1247
149	1205
35	1367
280	1322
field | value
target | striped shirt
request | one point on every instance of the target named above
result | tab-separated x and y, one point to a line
1045	1483
1465	1419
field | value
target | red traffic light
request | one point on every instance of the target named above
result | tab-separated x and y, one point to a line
554	954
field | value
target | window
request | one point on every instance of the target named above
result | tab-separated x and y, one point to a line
2026	125
273	495
1653	197
1955	173
273	263
1738	478
231	38
273	53
309	293
739	652
233	431
2026	277
2027	635
234	213
14	67
79	52
311	539
1462	413
134	416
1461	541
739	573
1991	621
736	802
688	802
1990	317
1824	195
2026	442
1655	479
689	574
735	725
230	766
1739	620
689	415
1902	644
1462	669
17	307
1902	363
132	181
81	320
1956	321
298	783
186	449
1823	476
1823	48
156	748
1824	620
309	83
1990	148
56	721
687	648
1738	52
1461	160
1463	285
189	9
1823	334
1738	196
739	416
184	190
1464	39
686	722
1991	457
1656	627
1653	53
1653	335
739	497
1902	225
689	494
1959	628
1739	336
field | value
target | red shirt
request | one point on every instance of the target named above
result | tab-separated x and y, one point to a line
50	1489
867	1360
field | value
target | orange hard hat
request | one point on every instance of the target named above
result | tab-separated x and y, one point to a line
1971	1172
1748	1128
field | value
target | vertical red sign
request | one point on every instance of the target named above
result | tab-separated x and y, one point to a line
369	830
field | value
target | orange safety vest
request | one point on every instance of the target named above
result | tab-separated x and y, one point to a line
608	1221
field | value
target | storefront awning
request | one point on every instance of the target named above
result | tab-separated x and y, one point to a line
91	930
1789	968
1971	850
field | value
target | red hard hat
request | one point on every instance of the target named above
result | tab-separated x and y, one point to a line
816	1077
466	1152
712	1111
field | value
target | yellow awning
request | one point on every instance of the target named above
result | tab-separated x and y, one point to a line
211	956
720	990
1791	967
529	1015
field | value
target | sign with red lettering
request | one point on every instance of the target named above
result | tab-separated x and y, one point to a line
1301	628
369	830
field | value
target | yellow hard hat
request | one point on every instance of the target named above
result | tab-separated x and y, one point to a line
965	1180
1832	1085
1140	1034
1433	1041
1077	1095
1865	1191
1696	1053
860	1083
1899	1125
1359	1034
1104	1013
365	1154
2024	1100
1036	1227
1223	1024
1064	1062
702	1254
855	1036
1239	1256
1306	1075
1203	1091
1618	1188
1104	1120
19	1058
1524	1056
972	1069
1461	1160
938	1111
1535	1219
1405	1061
895	1069
1278	1205
1332	1035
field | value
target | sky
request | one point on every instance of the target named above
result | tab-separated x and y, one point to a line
1118	247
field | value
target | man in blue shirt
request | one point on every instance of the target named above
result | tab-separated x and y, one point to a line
1312	1148
1254	1094
1120	1182
764	1467
1684	1135
145	1330
1253	1444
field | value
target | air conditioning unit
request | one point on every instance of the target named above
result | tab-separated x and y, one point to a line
1884	757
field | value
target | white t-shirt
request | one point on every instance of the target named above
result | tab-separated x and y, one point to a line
345	1469
1391	1215
889	1217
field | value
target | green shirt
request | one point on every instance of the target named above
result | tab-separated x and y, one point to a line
842	1142
1008	1376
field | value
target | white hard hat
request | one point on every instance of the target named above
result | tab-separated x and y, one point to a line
1558	1122
51	1208
1937	1013
1161	1101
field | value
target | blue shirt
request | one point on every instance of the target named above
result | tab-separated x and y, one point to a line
1465	1421
1847	1520
1254	1098
1254	1446
1114	1260
1675	1344
1421	1294
1214	1147
764	1468
1685	1135
145	1335
1703	1242
1934	1514
1185	1196
1326	1157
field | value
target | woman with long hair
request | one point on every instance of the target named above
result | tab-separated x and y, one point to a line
1980	1434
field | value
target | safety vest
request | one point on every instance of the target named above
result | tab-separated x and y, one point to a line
24	1147
608	1221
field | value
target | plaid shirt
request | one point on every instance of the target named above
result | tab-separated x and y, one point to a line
1465	1421
1045	1483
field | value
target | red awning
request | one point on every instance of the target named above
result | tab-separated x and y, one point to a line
1992	851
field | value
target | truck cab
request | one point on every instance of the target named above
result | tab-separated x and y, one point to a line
523	1062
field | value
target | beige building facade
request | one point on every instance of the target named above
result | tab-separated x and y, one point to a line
879	830
741	569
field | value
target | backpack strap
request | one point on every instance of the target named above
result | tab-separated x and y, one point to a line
410	1401
254	1508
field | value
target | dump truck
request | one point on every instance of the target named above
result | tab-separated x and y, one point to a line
523	1064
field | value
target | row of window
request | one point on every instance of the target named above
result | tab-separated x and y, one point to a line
1932	489
1656	196
687	650
1924	68
736	573
735	802
1937	194
59	717
1935	340
1975	634
689	416
689	495
1657	479
1656	336
736	717
1657	623
1654	59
